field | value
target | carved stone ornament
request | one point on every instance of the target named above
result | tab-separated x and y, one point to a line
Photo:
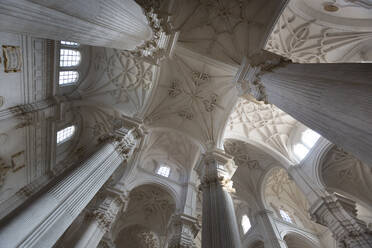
175	89
156	48
339	215
128	143
185	229
12	59
217	168
248	77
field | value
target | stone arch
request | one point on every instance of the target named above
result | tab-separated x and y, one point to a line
157	182
256	244
294	239
280	192
150	207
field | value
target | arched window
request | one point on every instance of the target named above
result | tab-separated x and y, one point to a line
69	60
246	224
163	171
308	140
285	216
65	134
68	77
69	57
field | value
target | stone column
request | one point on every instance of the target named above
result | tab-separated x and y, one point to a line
101	219
184	230
219	227
269	231
332	99
339	215
119	24
45	219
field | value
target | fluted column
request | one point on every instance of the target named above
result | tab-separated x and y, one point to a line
219	227
184	229
269	230
45	219
339	215
332	99
101	219
119	24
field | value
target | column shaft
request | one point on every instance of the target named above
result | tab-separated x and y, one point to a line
219	227
118	24
101	219
332	99
45	219
91	236
269	230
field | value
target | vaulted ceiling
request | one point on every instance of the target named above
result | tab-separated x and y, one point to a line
321	31
195	95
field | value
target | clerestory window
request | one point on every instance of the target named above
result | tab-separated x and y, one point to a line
163	171
308	140
69	60
246	224
65	134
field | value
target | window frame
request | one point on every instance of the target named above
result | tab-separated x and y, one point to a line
242	221
160	172
68	137
74	68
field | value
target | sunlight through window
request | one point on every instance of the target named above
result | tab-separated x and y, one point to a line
246	224
65	134
285	216
163	171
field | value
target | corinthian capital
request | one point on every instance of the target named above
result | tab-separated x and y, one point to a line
217	167
247	79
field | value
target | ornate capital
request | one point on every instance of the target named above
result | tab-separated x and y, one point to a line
217	167
109	208
339	215
127	141
248	77
164	36
184	229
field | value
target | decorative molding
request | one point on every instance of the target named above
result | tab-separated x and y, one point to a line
262	123
12	58
184	230
164	36
303	40
339	215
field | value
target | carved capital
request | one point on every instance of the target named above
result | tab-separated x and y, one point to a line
164	34
109	208
128	141
248	77
217	167
184	228
339	215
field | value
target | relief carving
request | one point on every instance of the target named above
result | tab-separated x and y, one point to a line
12	59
